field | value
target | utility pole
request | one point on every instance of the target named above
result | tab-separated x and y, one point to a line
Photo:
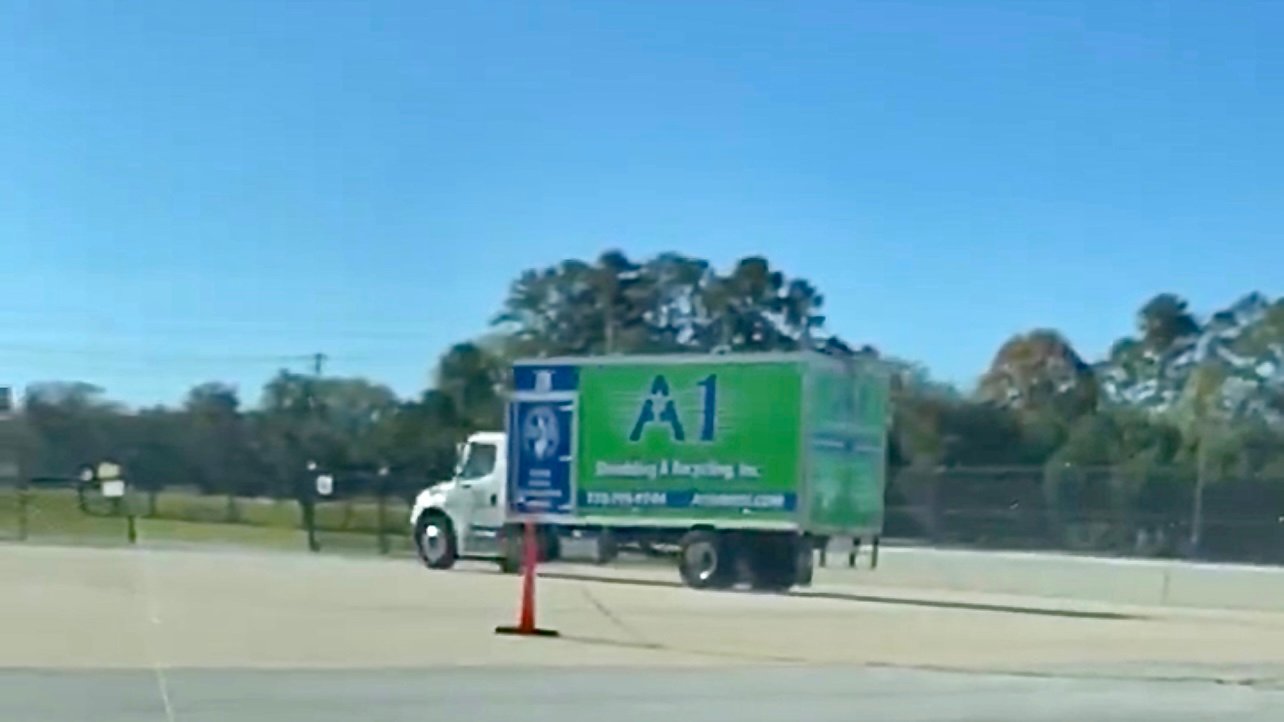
307	491
1201	476
9	437
1206	413
318	363
9	441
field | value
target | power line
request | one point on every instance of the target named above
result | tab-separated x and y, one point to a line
245	327
149	356
143	354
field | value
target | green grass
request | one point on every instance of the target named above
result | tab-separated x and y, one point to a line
55	515
152	530
193	507
353	525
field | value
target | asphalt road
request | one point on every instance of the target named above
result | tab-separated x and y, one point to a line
140	635
757	694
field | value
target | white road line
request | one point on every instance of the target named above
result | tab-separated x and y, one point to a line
163	686
152	610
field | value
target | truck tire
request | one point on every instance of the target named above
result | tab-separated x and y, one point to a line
435	540
806	564
550	545
513	542
706	560
510	549
607	548
772	561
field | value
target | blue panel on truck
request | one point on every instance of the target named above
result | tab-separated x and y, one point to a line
540	451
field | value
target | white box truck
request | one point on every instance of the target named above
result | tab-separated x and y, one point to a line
746	463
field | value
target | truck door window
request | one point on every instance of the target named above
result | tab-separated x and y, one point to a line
479	462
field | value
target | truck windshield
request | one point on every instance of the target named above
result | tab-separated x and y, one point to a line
479	460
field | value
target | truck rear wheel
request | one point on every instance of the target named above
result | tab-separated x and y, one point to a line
706	560
806	563
772	561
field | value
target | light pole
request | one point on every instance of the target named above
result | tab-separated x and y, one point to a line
307	504
382	501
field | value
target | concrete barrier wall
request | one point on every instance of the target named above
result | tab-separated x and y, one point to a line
1121	581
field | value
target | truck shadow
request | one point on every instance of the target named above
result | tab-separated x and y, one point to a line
865	598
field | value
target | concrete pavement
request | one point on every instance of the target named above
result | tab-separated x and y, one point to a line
199	635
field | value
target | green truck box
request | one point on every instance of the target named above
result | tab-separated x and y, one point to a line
747	462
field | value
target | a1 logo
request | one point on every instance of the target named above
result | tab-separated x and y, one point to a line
658	408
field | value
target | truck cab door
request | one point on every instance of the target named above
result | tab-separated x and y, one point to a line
481	481
487	513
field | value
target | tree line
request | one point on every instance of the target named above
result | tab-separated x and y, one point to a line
1038	404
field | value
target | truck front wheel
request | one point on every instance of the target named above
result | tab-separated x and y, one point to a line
435	540
705	560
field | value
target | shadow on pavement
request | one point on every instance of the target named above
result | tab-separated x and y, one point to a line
867	598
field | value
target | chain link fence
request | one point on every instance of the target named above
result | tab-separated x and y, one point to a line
1112	510
363	512
1101	510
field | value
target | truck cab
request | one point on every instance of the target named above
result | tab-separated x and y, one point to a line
462	517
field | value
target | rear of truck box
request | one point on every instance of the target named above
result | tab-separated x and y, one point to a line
846	420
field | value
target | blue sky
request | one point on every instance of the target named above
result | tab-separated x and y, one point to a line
210	190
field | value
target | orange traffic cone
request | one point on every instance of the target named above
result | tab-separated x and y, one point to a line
526	616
